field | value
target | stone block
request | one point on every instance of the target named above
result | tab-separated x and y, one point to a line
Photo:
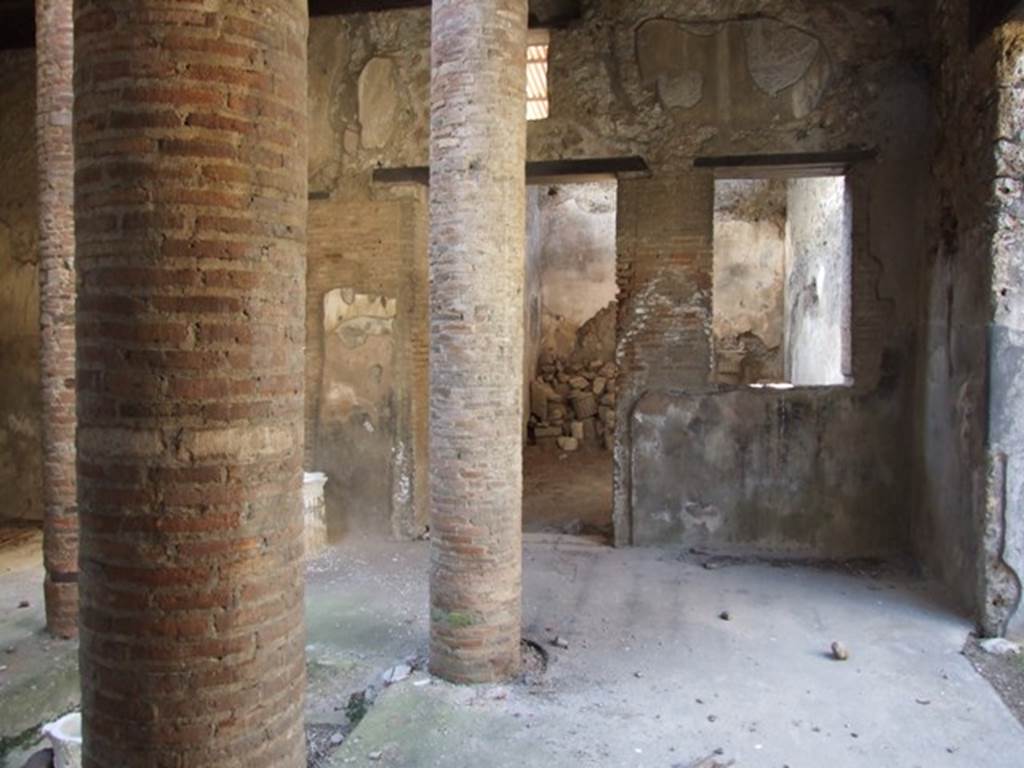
568	444
584	405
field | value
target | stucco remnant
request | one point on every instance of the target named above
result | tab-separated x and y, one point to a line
735	70
778	55
378	102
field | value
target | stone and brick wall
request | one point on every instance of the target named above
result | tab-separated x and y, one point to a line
374	453
854	79
190	141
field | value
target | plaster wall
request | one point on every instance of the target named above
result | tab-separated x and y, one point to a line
766	472
20	399
748	291
577	259
818	282
533	299
969	510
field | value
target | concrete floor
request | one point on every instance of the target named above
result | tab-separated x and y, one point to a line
652	676
567	492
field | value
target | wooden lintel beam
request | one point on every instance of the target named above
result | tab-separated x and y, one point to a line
798	163
341	7
536	172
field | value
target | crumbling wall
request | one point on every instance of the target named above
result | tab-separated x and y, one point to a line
818	282
366	362
20	404
369	107
784	77
969	510
1003	522
748	290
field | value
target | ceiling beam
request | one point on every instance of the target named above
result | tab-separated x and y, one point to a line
539	172
18	26
792	165
341	7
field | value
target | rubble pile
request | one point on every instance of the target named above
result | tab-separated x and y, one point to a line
573	405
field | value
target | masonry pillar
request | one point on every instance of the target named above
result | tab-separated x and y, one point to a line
477	272
54	69
190	143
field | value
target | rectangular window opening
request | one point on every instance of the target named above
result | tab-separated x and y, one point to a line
538	105
782	282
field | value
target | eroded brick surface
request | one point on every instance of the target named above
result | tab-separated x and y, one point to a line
477	249
57	310
191	216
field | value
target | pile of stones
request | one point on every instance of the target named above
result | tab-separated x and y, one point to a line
573	405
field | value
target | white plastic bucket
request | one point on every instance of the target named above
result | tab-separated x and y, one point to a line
66	737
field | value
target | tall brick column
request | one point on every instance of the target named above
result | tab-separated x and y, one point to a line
55	156
477	273
190	142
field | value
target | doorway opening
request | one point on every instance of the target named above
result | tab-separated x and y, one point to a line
570	376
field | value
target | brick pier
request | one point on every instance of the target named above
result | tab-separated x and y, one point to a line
55	157
477	249
191	213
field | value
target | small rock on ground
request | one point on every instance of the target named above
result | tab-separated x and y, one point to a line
840	652
999	646
397	674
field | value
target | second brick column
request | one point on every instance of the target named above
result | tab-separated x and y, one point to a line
477	247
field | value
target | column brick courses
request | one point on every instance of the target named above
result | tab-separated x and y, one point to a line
477	248
190	143
54	97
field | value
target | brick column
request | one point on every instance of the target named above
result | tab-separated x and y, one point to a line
190	143
477	257
54	69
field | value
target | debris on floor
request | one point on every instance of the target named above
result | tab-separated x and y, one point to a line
711	761
571	401
1004	672
840	652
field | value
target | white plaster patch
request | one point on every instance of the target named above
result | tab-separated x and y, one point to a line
378	102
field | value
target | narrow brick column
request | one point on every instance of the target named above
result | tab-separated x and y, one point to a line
54	70
477	247
190	143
